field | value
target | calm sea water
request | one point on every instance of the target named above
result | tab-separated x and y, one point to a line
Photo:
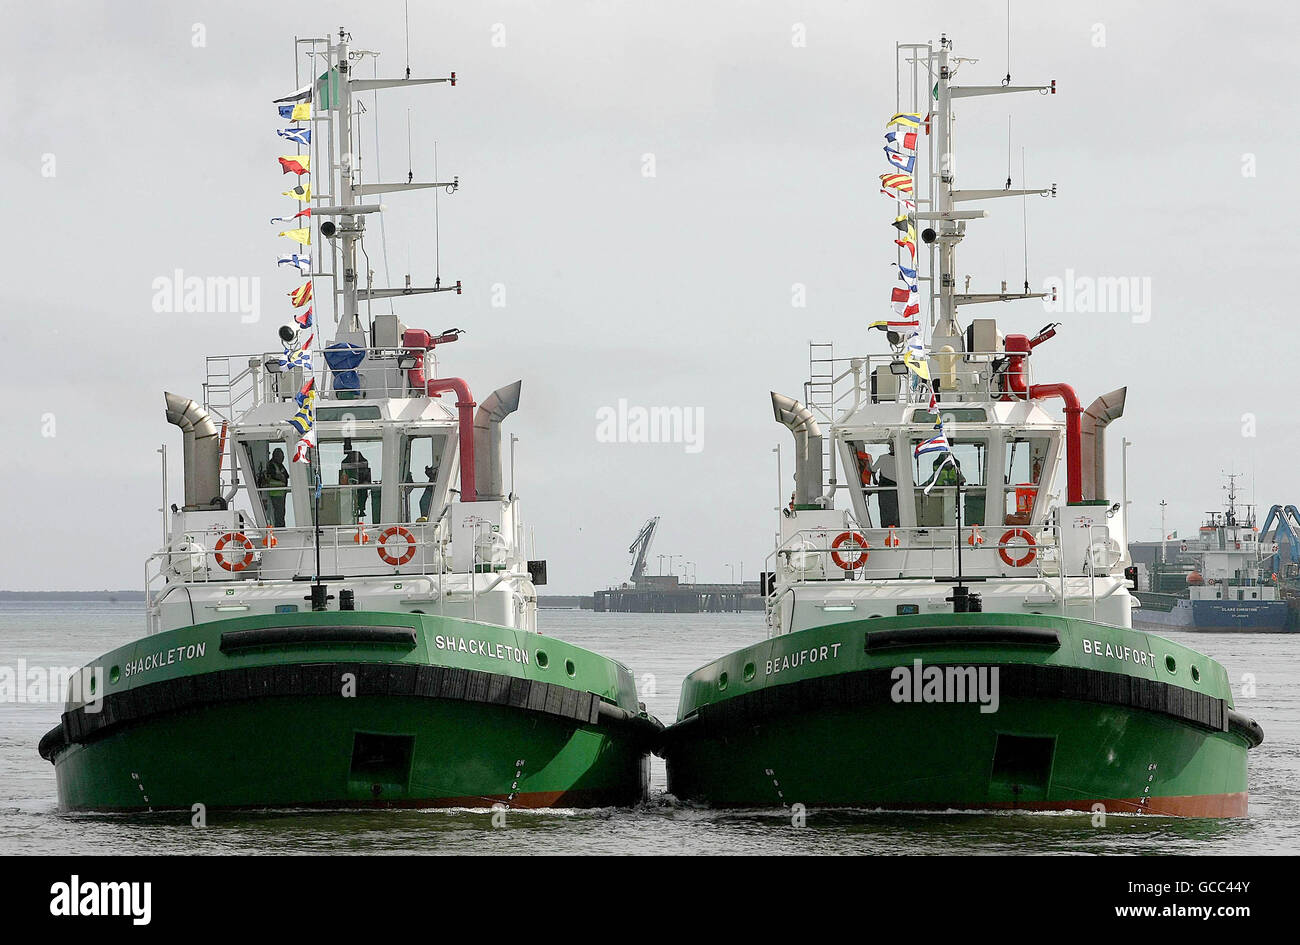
661	650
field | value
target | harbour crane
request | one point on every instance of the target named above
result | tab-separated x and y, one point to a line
641	548
1287	537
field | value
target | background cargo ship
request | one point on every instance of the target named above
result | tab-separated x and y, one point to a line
1225	580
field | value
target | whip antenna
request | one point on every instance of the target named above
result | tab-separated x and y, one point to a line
1009	153
1007	80
437	240
1024	220
410	164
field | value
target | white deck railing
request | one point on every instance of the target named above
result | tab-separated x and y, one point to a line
238	382
291	562
929	554
850	384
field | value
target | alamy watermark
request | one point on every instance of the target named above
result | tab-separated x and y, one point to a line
79	897
48	685
629	423
1114	295
178	292
920	683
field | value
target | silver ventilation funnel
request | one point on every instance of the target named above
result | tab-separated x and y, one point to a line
498	405
202	452
1092	430
808	472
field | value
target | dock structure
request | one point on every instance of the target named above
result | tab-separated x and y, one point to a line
666	594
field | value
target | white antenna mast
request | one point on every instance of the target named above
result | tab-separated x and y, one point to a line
347	228
948	222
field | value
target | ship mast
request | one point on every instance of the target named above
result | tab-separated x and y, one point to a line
949	223
339	87
352	224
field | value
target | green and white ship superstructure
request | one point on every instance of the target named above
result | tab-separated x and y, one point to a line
369	642
961	641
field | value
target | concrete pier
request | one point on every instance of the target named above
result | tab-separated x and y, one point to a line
665	594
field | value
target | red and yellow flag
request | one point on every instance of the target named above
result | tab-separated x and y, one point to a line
296	163
301	295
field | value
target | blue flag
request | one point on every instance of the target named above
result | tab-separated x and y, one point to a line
299	356
298	262
936	444
299	135
903	163
305	418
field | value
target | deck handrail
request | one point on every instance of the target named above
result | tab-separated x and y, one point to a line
1047	545
912	388
235	383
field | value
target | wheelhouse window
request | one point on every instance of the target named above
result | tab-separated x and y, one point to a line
423	482
350	414
350	469
951	415
269	460
877	473
940	476
1023	477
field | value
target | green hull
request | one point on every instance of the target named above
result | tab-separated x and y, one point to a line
354	709
1085	715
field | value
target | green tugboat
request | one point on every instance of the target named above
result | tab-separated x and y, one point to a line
343	613
958	635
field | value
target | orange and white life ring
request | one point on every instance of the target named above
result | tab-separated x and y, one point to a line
892	540
240	539
859	542
1030	552
397	531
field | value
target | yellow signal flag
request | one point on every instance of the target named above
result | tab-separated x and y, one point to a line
301	192
906	119
301	235
918	365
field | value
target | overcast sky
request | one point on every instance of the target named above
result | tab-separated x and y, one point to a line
1172	141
